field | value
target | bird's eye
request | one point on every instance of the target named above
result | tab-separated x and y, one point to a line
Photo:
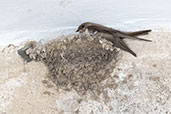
83	26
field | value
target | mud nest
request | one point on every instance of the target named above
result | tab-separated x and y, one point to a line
77	62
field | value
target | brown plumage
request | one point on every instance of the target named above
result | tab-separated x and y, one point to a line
113	35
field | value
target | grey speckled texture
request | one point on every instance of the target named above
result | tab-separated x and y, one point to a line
136	85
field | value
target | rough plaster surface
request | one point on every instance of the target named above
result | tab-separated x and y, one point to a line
142	84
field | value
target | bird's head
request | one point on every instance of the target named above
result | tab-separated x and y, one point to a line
82	28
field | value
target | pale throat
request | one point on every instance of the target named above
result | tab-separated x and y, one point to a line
91	32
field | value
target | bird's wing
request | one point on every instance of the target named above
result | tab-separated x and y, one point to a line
116	39
121	44
117	42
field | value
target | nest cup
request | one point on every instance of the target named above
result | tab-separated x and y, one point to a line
77	62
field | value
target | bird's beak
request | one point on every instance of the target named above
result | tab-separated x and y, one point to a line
77	30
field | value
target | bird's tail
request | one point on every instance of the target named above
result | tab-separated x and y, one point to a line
141	39
134	35
138	33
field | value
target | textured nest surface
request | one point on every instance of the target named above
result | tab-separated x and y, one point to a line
77	62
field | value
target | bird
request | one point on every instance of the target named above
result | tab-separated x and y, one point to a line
113	35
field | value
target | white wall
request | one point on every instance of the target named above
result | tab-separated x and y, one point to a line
46	19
